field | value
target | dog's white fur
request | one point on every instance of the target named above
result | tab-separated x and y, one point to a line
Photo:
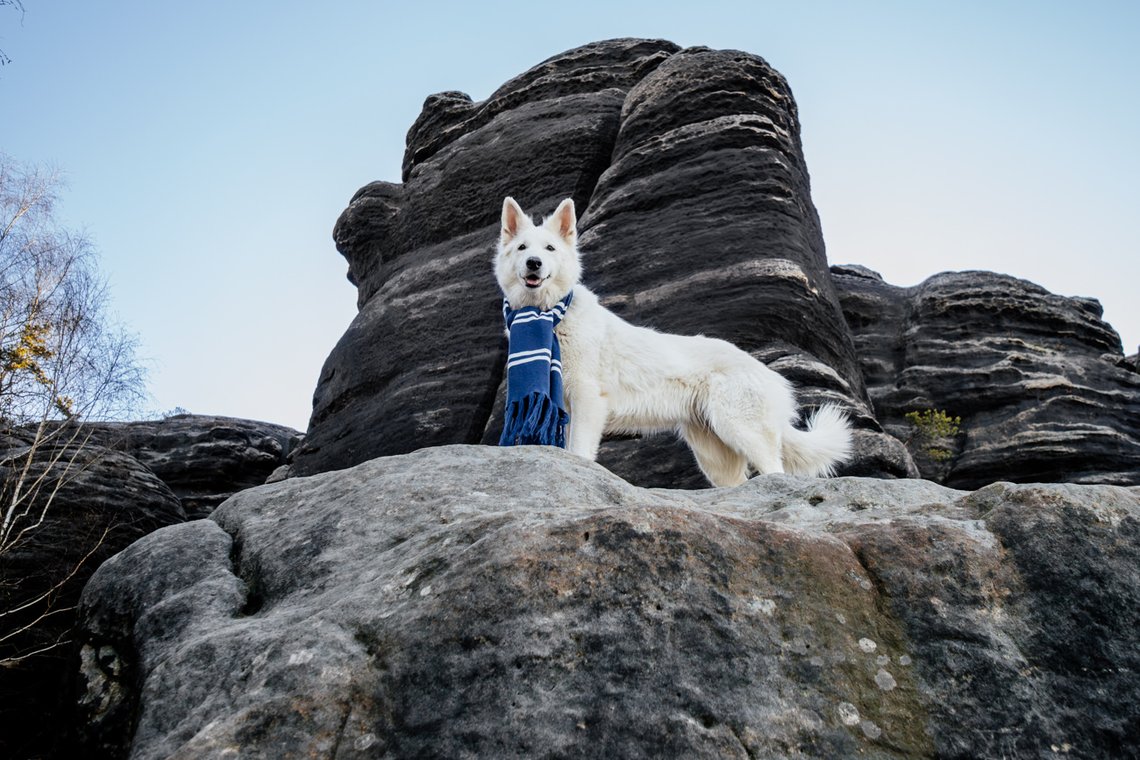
731	409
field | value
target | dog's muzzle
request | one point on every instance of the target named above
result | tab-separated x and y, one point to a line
533	277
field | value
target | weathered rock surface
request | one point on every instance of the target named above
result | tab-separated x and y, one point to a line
483	602
204	459
1039	380
688	174
93	502
690	183
120	481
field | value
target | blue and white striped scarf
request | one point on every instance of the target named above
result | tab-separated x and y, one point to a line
536	413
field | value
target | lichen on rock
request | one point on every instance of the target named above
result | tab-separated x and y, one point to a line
476	600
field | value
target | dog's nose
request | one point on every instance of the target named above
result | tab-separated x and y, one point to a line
533	265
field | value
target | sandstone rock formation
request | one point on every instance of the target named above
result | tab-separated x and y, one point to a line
695	216
203	458
472	601
1039	380
476	601
119	481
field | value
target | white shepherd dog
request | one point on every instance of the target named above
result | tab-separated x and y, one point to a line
620	378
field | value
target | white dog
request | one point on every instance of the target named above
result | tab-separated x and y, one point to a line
619	378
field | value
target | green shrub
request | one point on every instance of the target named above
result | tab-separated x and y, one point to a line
930	427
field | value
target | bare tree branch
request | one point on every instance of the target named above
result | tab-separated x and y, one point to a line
18	5
62	362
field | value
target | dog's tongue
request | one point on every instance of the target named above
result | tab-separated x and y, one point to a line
533	280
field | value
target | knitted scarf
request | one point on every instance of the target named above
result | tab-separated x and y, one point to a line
535	410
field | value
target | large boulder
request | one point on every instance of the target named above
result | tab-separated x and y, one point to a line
1039	381
204	459
695	216
66	507
470	601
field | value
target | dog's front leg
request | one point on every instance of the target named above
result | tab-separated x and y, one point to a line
587	423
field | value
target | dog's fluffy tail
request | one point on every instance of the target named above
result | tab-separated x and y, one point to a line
816	451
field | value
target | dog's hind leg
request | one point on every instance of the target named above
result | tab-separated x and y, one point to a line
760	445
757	442
748	407
749	420
720	464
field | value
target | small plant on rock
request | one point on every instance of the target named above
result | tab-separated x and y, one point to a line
931	428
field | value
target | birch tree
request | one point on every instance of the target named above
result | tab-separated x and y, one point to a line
63	360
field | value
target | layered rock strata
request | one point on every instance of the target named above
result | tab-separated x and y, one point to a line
204	459
695	216
1039	381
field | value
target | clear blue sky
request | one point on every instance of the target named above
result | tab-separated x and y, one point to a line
210	147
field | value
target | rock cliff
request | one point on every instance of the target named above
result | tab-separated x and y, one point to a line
692	190
1039	381
472	601
696	217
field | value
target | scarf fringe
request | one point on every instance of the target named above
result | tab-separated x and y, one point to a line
534	419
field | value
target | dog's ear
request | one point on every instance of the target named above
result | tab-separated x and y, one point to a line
564	221
514	219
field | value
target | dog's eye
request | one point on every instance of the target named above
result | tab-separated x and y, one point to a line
549	247
522	246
